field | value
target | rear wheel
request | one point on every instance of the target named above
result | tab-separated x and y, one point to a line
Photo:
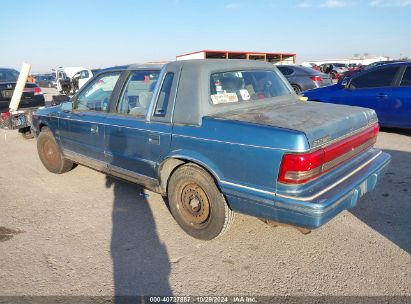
197	204
296	88
50	154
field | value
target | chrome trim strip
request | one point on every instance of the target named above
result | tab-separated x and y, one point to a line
113	125
86	161
352	133
307	198
239	144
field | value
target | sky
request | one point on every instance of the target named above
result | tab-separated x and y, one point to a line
97	34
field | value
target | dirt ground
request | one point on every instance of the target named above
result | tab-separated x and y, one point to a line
83	233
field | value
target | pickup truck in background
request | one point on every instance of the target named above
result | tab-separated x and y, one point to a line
217	137
31	100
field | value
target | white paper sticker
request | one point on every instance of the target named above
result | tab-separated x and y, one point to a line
245	95
224	98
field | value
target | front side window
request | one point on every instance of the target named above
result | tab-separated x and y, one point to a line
406	79
137	93
96	96
375	79
242	86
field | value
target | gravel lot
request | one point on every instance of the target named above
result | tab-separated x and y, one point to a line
83	233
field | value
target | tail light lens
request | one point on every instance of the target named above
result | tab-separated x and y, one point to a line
5	115
303	167
316	78
35	90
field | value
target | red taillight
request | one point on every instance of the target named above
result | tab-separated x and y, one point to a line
5	115
316	78
35	90
301	168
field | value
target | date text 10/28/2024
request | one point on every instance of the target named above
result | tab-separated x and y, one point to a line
199	299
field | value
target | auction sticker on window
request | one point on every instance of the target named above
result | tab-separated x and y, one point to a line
244	94
224	98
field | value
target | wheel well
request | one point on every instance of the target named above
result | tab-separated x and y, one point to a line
41	126
171	164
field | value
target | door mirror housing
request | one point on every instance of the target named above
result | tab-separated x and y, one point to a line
345	83
67	106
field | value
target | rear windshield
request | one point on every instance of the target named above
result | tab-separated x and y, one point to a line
242	86
7	75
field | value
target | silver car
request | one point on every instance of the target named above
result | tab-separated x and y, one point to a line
304	78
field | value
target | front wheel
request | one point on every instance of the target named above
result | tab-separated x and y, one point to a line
197	204
26	133
50	154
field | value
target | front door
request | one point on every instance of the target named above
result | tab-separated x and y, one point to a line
138	137
82	128
372	90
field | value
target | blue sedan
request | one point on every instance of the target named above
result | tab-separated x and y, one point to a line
386	89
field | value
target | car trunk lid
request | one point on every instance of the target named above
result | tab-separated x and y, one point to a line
322	123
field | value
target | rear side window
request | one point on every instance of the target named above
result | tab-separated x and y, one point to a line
406	79
285	71
376	79
137	93
164	96
243	86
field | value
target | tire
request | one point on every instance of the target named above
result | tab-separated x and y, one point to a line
297	89
26	133
333	75
50	154
197	204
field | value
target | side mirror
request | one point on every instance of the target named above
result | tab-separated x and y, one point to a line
67	106
345	83
59	99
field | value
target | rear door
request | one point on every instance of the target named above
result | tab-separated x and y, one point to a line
139	134
372	90
398	109
81	130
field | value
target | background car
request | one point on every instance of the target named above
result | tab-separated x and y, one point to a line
334	69
46	81
303	78
31	99
385	88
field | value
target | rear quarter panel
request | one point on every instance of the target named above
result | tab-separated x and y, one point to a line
235	152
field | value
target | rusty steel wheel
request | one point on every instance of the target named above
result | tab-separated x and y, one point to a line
50	154
197	204
194	204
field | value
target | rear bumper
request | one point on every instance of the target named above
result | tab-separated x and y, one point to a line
317	209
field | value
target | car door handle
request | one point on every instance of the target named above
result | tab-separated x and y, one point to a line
154	139
94	129
382	95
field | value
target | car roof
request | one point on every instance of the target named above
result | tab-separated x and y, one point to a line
132	67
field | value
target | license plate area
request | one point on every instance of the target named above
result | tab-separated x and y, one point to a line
7	93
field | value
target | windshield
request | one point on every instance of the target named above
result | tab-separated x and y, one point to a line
340	65
246	86
7	75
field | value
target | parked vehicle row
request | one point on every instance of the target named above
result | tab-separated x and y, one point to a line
385	88
217	137
303	78
32	98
